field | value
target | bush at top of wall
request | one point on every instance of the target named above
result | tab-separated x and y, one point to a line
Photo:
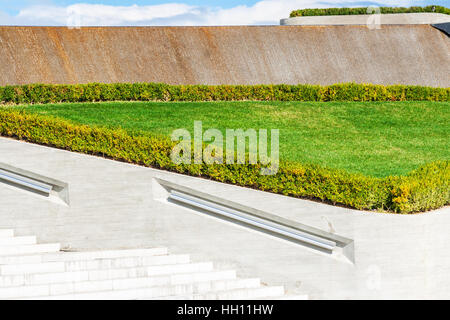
423	189
363	10
50	93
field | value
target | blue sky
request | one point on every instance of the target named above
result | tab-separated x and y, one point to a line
163	12
14	6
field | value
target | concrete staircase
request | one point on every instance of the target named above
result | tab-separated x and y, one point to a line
41	271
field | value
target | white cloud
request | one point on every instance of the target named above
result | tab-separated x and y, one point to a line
263	12
97	14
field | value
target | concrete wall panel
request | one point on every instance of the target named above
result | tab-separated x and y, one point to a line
406	54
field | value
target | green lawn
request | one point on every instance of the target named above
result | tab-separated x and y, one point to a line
373	138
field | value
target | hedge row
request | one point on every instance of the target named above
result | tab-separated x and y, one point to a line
363	10
424	189
47	93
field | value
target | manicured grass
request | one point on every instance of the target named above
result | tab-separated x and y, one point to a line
373	138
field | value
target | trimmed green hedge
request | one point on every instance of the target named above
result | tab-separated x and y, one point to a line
363	10
423	189
47	93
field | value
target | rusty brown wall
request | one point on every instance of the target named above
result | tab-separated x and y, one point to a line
411	54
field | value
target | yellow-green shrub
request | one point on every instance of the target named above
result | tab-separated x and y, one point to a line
47	93
363	10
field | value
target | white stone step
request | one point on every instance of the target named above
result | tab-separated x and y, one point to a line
287	297
4	233
180	268
14	241
83	276
29	249
120	273
43	278
223	285
41	271
24	292
94	287
230	294
218	279
99	264
127	262
132	294
84	256
187	278
198	287
32	268
236	294
242	294
184	278
149	271
95	275
137	293
20	259
105	254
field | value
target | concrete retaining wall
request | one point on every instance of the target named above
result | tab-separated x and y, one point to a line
385	19
408	54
